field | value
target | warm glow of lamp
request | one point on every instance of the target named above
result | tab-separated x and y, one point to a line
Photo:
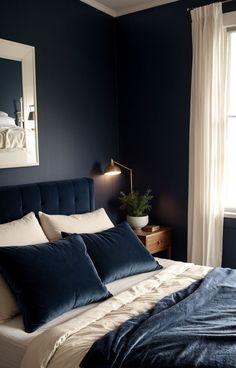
114	169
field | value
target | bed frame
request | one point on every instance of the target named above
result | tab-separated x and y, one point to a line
56	197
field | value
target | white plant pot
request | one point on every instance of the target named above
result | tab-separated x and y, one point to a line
137	222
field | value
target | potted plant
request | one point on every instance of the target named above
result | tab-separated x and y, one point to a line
136	206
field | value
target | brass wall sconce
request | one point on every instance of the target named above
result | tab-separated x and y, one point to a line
113	168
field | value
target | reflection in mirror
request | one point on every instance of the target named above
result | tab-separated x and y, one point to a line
18	118
11	91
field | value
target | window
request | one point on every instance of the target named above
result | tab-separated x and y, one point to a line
230	174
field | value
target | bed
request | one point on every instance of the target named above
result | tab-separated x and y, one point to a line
12	138
83	336
13	146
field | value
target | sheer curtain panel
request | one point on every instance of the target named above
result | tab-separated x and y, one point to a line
207	136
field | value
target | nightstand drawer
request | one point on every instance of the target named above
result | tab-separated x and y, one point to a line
156	241
159	243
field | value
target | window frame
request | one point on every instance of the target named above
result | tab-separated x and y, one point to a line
230	25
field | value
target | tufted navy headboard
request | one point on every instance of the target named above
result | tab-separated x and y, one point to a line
56	197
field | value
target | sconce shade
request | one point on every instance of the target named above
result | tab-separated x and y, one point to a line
112	169
31	115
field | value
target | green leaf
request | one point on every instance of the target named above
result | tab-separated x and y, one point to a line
136	204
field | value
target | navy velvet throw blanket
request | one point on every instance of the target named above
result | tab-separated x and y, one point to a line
195	327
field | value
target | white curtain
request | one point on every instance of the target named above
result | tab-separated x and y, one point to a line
207	136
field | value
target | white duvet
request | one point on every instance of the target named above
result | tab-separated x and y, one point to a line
12	138
65	345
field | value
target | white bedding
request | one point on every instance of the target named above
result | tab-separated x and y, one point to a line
14	341
12	138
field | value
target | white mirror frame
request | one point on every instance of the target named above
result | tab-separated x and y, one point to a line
26	55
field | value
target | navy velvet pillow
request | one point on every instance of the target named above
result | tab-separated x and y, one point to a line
118	252
50	279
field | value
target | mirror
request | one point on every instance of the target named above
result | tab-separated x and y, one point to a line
18	108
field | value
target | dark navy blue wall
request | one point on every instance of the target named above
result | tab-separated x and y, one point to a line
229	249
154	68
11	86
75	65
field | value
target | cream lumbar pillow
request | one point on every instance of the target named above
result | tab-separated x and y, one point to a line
90	222
24	231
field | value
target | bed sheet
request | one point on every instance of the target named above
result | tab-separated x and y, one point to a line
14	341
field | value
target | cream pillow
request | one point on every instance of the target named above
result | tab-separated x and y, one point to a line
24	231
90	222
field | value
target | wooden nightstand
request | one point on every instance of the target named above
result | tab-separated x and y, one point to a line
156	241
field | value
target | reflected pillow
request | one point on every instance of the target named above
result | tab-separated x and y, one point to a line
2	113
24	231
118	252
50	279
6	122
90	222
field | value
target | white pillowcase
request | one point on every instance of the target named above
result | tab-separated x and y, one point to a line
2	113
90	222
6	121
24	231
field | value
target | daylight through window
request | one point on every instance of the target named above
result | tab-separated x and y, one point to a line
230	178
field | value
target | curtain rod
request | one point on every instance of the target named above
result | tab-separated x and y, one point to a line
222	1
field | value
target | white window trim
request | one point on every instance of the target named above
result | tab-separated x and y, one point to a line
230	23
229	19
228	214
